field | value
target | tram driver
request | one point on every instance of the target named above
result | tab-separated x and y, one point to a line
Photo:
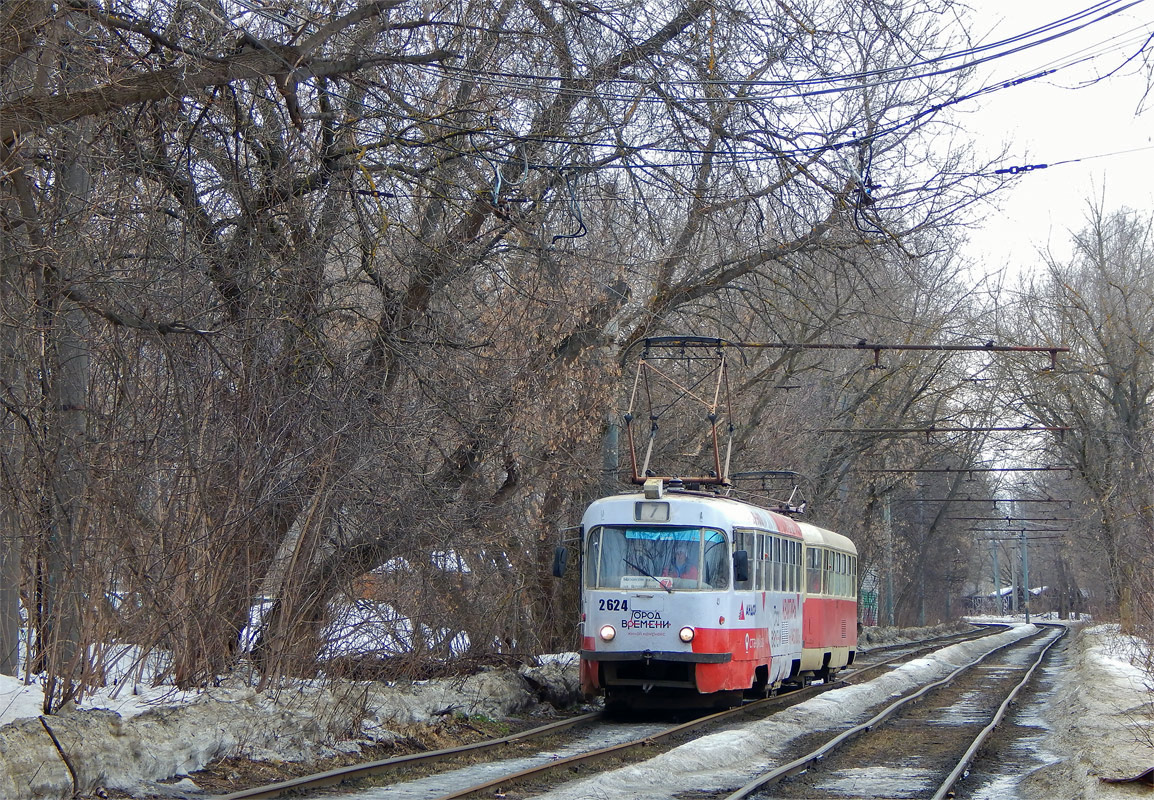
682	566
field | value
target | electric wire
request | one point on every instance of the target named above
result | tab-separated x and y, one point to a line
526	80
636	157
1023	41
1118	7
769	154
857	81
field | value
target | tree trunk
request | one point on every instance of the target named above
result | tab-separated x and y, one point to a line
13	434
67	357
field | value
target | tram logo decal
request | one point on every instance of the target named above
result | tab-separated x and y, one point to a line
642	619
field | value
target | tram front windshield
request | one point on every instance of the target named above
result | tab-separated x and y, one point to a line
639	557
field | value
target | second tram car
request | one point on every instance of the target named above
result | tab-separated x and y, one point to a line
829	609
691	598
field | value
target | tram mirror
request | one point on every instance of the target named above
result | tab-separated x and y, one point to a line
740	566
560	559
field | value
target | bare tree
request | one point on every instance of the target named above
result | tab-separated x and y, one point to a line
356	282
1101	301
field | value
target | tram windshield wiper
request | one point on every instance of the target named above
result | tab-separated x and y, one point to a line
647	574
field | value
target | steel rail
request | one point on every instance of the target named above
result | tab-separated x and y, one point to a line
355	771
803	763
645	741
963	766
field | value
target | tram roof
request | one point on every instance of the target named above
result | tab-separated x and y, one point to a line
731	511
825	538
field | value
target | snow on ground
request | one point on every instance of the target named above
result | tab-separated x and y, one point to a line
129	690
407	703
20	701
1099	723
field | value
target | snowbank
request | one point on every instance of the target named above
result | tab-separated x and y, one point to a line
1099	719
156	735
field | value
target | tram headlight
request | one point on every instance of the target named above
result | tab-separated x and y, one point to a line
686	634
607	632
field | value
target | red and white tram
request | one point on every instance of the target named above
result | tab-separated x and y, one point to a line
690	598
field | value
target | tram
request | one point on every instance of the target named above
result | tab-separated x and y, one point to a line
690	598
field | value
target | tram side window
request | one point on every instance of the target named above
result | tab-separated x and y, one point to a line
592	558
787	566
787	554
604	557
767	554
717	561
847	575
774	552
813	569
770	563
751	547
767	560
744	540
787	549
783	560
755	559
762	565
791	577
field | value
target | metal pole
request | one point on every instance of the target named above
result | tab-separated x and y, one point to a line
921	570
887	518
997	578
610	457
1025	576
1013	582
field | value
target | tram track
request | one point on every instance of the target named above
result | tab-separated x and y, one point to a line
632	748
921	745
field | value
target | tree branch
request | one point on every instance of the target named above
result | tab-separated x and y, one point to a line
128	319
31	114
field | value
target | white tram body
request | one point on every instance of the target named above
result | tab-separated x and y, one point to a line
688	596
